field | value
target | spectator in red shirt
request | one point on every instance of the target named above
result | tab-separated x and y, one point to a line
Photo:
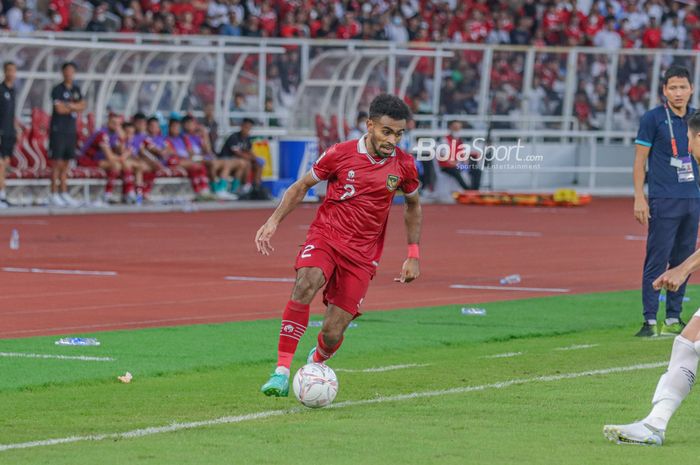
652	35
186	24
349	28
449	166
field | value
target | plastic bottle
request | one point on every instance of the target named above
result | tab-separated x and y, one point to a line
14	240
511	279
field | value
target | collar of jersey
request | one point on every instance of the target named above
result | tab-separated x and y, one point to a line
362	148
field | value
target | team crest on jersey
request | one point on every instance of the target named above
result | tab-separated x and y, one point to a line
392	182
351	174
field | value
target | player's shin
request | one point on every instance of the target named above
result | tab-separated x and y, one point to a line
675	384
294	321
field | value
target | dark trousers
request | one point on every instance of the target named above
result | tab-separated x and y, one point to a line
457	175
673	231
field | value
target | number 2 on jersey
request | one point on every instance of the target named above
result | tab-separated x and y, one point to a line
349	191
307	251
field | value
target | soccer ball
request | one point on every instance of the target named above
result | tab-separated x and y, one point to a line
315	385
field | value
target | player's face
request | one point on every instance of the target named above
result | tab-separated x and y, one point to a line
678	91
68	74
113	123
694	142
384	134
154	128
10	73
175	129
140	125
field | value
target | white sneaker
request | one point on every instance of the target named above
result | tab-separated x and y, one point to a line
57	201
638	433
69	201
4	204
223	195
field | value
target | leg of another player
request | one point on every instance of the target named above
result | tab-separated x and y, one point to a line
335	322
673	387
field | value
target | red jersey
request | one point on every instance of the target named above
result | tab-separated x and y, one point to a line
361	188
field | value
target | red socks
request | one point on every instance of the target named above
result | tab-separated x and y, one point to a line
294	321
324	352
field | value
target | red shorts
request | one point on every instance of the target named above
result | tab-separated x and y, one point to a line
346	281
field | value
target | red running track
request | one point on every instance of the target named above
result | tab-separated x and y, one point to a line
171	266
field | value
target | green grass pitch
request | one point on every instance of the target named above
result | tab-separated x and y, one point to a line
458	404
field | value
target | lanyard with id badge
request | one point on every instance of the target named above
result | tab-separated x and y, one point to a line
683	165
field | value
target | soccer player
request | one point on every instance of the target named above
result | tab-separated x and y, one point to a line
679	378
68	101
8	124
345	240
178	152
239	146
105	149
219	170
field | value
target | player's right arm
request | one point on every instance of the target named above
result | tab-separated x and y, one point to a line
292	197
641	206
675	277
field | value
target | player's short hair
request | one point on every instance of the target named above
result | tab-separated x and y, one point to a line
68	64
187	118
676	71
389	105
153	118
694	122
127	124
139	117
248	121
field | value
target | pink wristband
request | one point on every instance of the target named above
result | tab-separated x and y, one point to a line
413	251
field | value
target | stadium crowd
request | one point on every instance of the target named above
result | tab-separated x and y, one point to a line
603	23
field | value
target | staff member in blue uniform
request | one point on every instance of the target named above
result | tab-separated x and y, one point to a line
673	209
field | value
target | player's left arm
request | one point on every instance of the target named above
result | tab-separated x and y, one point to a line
292	197
413	219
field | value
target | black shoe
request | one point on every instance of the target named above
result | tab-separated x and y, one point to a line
648	330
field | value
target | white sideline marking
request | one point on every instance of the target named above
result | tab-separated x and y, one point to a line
69	272
259	279
137	433
383	369
635	238
13	221
577	347
506	355
488	232
58	357
509	288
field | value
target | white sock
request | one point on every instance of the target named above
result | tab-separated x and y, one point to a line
3	195
280	370
675	384
651	322
671	321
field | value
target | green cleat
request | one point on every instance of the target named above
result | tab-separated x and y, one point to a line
310	357
276	386
674	329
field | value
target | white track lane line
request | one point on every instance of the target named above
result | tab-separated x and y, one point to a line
509	288
66	272
630	237
57	357
491	232
259	279
138	433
